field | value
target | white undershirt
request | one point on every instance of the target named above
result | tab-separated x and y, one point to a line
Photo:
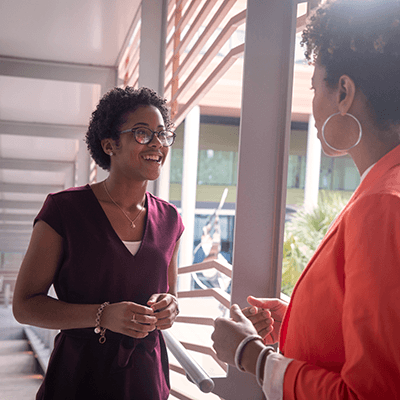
133	247
366	172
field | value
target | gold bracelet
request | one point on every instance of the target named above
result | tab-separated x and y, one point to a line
98	328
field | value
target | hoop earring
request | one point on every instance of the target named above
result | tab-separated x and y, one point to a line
359	133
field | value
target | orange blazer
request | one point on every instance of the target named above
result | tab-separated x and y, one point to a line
342	326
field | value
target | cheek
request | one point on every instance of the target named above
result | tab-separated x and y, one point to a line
133	157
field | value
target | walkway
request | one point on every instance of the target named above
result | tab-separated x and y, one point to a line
20	377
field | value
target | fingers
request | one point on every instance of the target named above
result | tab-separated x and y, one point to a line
144	319
258	302
139	309
153	299
138	320
165	309
159	302
250	311
261	320
236	313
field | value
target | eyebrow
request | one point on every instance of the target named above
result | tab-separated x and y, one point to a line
146	124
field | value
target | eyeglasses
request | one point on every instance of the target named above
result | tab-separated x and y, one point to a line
146	135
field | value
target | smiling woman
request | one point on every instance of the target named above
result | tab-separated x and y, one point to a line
110	249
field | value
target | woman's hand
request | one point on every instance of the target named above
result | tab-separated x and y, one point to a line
228	333
129	318
165	307
266	316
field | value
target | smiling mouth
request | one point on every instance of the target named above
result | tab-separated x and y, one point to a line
152	158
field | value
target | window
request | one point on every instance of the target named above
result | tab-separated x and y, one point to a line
338	173
214	167
217	167
296	171
226	223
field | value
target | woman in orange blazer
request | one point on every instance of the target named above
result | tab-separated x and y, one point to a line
339	337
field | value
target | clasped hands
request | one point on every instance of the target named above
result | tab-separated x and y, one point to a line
138	321
263	317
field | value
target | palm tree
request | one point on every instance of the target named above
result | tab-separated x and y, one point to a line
303	233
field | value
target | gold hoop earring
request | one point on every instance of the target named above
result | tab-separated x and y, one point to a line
359	132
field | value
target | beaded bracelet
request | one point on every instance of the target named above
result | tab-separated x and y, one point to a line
98	328
269	350
240	348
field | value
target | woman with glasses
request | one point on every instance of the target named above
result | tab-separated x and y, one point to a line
339	335
110	249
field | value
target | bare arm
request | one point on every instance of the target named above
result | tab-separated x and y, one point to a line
165	305
32	305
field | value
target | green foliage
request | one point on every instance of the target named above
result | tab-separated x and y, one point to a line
304	233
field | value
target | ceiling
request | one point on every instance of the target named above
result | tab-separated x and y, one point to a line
56	58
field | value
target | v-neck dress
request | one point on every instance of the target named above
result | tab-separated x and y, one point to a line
96	267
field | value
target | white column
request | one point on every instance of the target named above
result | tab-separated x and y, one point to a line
313	165
82	165
152	45
263	157
189	185
163	182
152	68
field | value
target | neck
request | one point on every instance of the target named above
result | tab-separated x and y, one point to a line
127	193
371	150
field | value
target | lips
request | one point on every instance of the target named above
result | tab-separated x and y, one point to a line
152	157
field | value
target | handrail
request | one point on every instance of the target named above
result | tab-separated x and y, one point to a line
194	372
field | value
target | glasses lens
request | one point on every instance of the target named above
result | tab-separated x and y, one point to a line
143	135
167	138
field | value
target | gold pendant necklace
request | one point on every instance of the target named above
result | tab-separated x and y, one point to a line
132	221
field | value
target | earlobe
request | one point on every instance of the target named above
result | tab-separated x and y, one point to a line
347	90
107	145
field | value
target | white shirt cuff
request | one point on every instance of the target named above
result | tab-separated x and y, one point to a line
274	372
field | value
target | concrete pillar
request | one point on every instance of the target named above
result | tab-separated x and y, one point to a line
163	182
263	159
313	165
189	186
152	68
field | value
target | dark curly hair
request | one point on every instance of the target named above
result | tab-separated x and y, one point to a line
110	113
360	39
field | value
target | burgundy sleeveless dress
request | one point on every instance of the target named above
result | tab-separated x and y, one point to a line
97	267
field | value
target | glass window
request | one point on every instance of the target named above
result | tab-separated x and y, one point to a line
296	172
326	173
176	166
226	223
216	168
338	173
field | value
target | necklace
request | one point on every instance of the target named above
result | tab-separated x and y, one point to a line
132	221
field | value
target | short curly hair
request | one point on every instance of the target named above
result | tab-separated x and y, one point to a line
360	39
110	113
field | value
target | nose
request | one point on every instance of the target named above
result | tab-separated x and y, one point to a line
155	142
